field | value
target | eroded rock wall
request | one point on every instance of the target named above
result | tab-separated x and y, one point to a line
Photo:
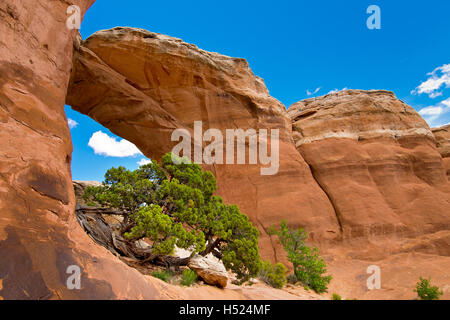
357	164
377	160
442	135
39	236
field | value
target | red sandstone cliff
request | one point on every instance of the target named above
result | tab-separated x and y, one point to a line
359	170
442	135
39	235
377	160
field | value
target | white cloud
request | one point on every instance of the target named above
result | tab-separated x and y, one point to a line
143	162
337	90
438	78
446	103
72	123
310	93
433	114
110	147
432	111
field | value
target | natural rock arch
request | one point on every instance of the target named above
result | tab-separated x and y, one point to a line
168	84
165	84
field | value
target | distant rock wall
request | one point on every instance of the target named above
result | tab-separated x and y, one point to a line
442	135
377	161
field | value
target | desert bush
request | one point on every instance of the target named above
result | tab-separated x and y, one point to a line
425	291
188	277
292	279
273	275
309	268
336	297
163	275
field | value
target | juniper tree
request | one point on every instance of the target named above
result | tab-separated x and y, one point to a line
174	205
309	268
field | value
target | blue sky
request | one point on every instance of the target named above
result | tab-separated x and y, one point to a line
296	47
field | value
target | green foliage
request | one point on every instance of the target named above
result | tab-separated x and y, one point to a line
152	223
426	291
122	189
173	204
336	297
91	203
188	277
163	275
309	268
292	279
274	276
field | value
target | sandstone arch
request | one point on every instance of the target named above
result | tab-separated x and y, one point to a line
167	84
164	84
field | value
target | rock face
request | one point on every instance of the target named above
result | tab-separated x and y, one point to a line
80	186
377	161
213	272
39	235
442	135
356	166
167	84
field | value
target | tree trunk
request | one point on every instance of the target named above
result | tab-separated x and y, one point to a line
100	231
210	247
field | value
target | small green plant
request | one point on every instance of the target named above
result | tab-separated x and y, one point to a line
309	268
188	277
426	291
336	297
274	276
292	279
163	275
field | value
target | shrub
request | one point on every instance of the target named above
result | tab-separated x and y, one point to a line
274	276
336	296
426	291
292	279
173	204
163	275
309	268
188	277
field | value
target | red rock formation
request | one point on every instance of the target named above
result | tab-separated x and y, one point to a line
39	235
442	135
377	160
376	172
167	84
